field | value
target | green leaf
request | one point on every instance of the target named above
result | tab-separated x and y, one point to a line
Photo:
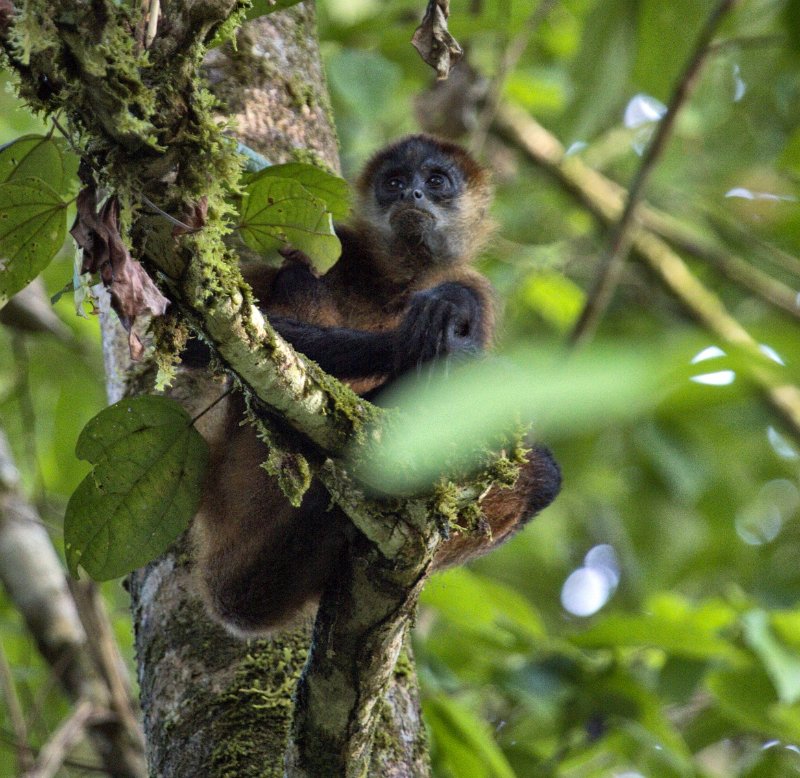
556	298
32	228
264	7
462	741
781	664
747	696
364	80
330	189
149	463
33	156
279	211
478	604
600	70
661	57
671	624
792	24
446	418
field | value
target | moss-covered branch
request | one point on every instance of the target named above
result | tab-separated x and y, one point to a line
145	125
359	632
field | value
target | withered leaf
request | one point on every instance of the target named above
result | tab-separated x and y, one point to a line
194	219
433	40
133	293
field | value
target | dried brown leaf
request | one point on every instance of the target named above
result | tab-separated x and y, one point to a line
6	14
433	40
132	291
195	219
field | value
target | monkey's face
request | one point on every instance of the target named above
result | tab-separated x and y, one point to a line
414	195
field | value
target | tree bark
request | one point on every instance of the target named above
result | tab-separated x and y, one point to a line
215	705
35	581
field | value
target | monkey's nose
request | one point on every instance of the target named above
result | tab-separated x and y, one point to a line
418	195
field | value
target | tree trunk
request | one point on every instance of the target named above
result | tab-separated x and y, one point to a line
215	705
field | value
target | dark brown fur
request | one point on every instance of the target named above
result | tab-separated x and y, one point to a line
261	562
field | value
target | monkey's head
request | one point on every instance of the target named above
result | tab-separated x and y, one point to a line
426	202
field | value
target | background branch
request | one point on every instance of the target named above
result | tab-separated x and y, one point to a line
620	240
603	198
35	582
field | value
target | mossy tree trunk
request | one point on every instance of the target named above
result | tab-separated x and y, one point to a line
134	106
215	705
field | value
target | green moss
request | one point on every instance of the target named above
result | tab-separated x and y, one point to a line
170	334
310	157
255	711
405	670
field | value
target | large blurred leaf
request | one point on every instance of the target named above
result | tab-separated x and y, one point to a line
462	743
446	418
279	211
149	462
32	228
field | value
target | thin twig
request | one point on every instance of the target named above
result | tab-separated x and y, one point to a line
26	409
15	716
734	267
621	239
110	665
511	56
152	22
772	253
68	734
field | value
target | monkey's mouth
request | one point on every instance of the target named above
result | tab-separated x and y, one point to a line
412	223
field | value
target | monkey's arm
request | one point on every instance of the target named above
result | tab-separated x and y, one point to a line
441	321
340	351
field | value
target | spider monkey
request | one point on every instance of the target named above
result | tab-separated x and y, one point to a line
402	294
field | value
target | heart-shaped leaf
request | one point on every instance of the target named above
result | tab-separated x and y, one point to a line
279	211
33	156
332	190
32	228
149	463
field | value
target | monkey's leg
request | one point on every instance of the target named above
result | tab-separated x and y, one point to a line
259	560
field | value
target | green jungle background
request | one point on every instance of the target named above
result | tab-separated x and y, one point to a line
674	650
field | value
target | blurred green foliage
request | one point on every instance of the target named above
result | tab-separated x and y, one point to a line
686	660
691	666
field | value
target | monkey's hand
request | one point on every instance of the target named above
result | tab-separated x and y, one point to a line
440	322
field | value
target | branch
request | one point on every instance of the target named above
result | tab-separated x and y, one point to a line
734	267
35	582
604	199
359	632
69	733
15	716
611	264
154	136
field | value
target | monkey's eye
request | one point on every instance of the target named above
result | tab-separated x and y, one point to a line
394	184
438	181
